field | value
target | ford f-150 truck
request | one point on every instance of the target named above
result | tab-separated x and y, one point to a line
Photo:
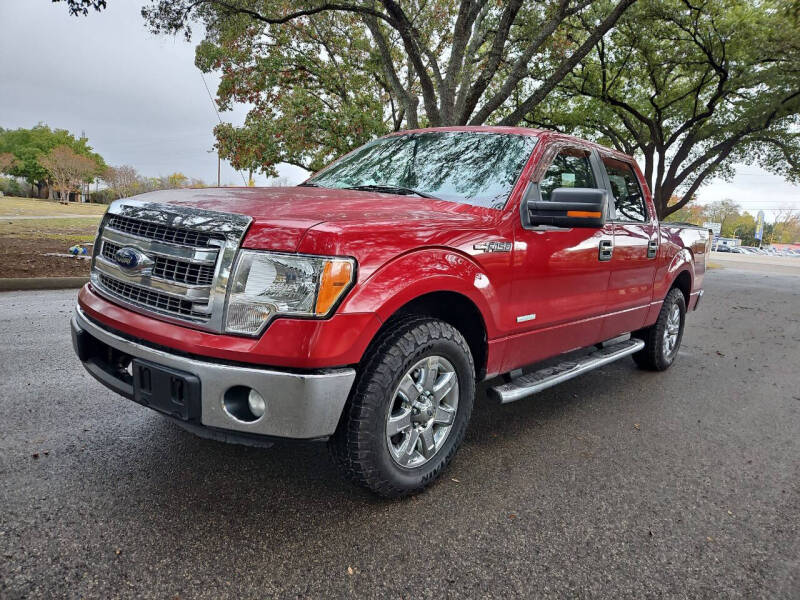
363	306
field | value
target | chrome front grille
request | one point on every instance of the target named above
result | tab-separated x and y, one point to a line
170	269
156	300
162	233
171	261
178	270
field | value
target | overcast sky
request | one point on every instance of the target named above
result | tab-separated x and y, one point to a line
140	100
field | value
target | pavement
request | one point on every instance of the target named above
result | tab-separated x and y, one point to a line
38	217
784	265
618	484
41	283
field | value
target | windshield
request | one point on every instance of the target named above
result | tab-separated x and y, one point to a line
467	167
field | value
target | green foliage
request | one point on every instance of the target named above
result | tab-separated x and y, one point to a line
11	187
306	109
81	7
102	196
323	78
691	88
29	145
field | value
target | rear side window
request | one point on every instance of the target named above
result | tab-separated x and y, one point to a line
628	197
570	168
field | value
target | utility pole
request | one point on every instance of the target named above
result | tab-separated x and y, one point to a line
218	168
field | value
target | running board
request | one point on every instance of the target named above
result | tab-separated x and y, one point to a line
537	381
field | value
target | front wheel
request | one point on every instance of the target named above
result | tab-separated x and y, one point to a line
663	339
409	408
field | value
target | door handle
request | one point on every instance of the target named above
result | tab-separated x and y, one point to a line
606	250
652	248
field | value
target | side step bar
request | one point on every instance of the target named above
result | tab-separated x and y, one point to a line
537	381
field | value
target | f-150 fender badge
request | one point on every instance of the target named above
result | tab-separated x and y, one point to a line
493	246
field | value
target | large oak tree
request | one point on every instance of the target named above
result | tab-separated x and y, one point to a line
690	87
322	77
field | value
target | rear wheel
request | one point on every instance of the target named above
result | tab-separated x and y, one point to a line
409	408
663	339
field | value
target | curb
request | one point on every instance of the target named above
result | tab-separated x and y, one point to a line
9	284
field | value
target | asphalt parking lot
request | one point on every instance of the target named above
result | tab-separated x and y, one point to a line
619	484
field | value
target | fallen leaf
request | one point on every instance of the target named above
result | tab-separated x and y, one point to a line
454	479
512	516
709	539
636	426
350	571
117	551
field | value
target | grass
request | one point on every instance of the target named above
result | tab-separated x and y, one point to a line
11	206
64	230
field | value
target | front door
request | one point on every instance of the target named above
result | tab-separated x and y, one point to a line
560	281
633	261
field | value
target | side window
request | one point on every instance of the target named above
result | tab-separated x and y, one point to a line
628	197
570	168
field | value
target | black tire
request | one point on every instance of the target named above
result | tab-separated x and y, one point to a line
359	446
654	356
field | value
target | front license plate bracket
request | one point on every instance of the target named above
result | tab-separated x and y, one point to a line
174	392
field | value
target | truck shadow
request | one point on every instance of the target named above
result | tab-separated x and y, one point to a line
172	484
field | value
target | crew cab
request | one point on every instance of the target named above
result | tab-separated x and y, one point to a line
363	306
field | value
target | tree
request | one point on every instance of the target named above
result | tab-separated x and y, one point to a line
786	228
67	170
176	180
742	226
721	210
81	7
29	145
7	162
325	76
690	213
709	83
123	181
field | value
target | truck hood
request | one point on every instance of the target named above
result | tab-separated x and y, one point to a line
283	216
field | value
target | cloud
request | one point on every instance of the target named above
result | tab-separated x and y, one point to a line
138	97
754	189
141	101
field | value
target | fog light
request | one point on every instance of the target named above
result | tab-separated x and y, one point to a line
244	404
257	404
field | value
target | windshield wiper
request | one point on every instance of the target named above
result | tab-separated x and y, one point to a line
308	184
390	189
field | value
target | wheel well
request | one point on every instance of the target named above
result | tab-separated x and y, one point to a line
684	283
460	312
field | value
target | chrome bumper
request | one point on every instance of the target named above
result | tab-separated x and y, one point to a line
301	406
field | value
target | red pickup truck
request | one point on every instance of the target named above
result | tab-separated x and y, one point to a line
362	306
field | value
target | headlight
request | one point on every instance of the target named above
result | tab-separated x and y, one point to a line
266	284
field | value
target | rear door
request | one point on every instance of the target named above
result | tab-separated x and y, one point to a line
633	262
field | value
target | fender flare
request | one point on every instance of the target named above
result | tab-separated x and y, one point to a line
682	262
389	287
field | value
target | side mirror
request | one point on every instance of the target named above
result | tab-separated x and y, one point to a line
570	207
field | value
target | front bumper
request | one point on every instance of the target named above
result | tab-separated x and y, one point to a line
299	405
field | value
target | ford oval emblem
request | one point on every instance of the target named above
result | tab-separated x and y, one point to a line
128	258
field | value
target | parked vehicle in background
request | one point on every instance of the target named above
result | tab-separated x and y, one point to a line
363	306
